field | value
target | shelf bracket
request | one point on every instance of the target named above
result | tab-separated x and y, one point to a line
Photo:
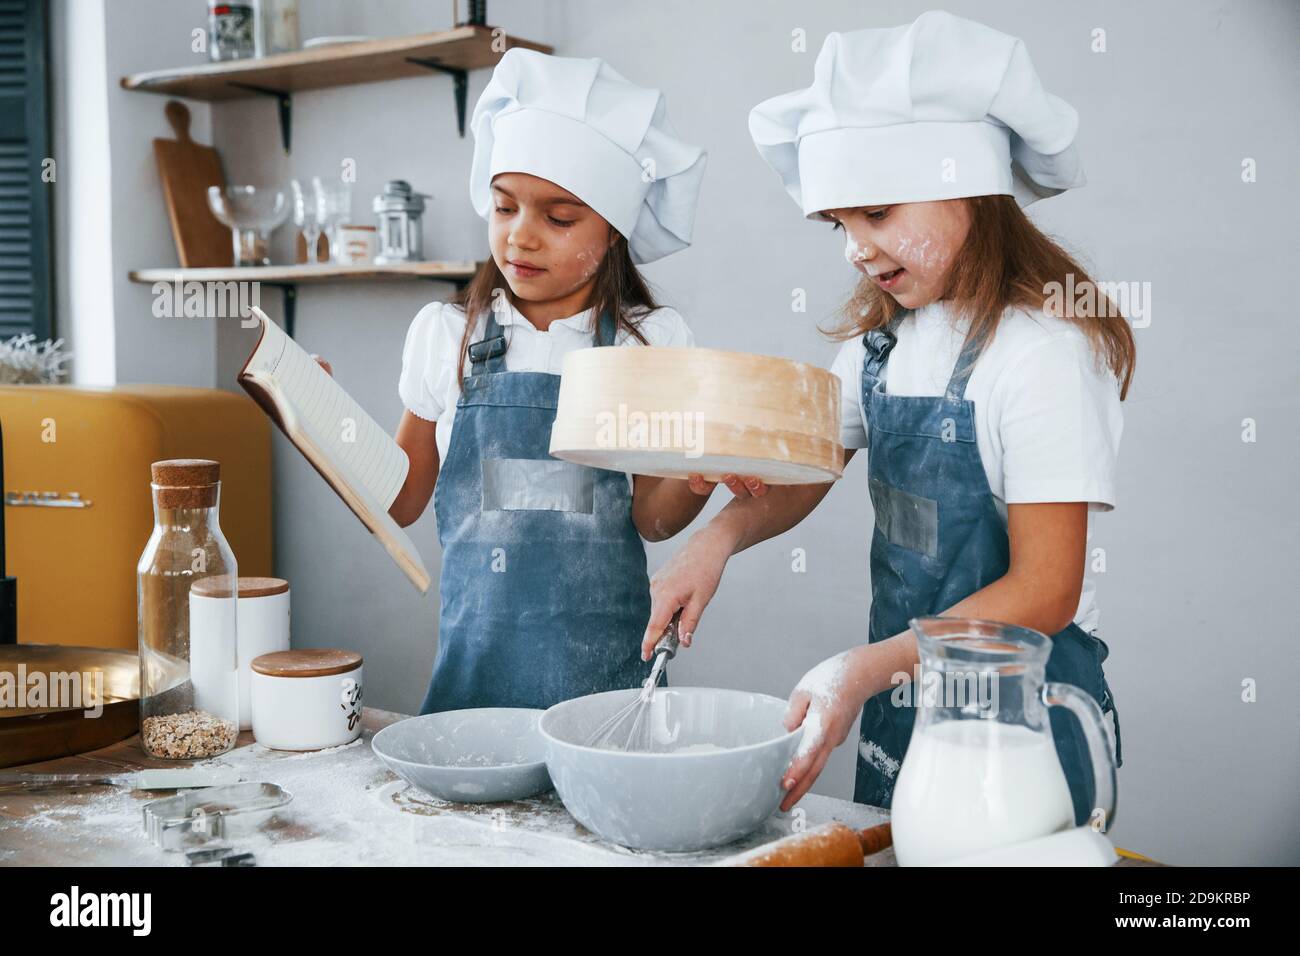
289	303
284	101
459	77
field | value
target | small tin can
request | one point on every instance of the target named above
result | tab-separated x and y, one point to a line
356	245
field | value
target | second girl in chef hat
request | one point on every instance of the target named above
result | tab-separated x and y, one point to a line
990	415
544	587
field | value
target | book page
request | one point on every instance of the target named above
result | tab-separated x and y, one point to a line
355	495
346	433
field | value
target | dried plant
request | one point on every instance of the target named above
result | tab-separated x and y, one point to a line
24	361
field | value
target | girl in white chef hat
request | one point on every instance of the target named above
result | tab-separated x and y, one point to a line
990	411
544	587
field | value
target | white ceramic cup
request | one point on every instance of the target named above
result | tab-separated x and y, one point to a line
357	244
307	699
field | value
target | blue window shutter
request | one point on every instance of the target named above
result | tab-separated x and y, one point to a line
25	297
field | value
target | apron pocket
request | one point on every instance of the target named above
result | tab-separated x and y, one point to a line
906	520
537	484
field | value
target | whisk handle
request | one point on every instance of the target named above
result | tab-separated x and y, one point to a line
667	644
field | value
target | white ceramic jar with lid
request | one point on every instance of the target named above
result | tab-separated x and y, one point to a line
307	699
263	626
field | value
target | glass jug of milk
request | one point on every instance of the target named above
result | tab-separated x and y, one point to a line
981	770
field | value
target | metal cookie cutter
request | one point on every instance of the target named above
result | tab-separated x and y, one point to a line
198	817
219	855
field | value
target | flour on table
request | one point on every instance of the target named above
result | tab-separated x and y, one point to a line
348	809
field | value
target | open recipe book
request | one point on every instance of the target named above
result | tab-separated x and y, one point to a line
363	465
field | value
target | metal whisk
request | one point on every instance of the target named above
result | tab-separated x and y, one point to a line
628	729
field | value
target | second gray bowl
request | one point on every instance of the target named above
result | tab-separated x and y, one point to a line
716	775
486	755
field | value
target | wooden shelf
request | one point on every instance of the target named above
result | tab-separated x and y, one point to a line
310	274
288	278
370	61
454	52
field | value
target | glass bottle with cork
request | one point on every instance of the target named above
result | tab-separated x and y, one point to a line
189	659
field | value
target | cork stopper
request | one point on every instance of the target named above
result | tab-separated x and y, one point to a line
308	662
186	482
218	585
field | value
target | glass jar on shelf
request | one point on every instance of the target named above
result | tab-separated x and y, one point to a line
277	26
232	30
186	592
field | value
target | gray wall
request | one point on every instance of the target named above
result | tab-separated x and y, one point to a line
1199	550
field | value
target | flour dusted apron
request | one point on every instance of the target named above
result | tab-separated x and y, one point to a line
938	539
544	588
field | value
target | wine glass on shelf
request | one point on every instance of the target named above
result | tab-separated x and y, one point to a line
251	213
306	216
334	207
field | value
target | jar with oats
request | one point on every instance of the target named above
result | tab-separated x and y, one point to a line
189	656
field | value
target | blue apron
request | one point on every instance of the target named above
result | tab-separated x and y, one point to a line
545	594
938	539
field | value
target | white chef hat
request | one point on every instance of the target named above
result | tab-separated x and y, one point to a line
579	124
938	109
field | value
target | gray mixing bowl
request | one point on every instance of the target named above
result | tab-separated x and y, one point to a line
666	800
485	755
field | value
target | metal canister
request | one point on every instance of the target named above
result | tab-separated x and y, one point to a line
401	233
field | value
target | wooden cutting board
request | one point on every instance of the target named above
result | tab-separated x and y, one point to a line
187	169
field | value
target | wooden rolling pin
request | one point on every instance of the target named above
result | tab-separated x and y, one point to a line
831	844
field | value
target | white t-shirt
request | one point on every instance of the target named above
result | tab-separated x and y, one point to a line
428	385
1047	414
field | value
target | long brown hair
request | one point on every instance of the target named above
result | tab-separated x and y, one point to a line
1006	261
618	288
